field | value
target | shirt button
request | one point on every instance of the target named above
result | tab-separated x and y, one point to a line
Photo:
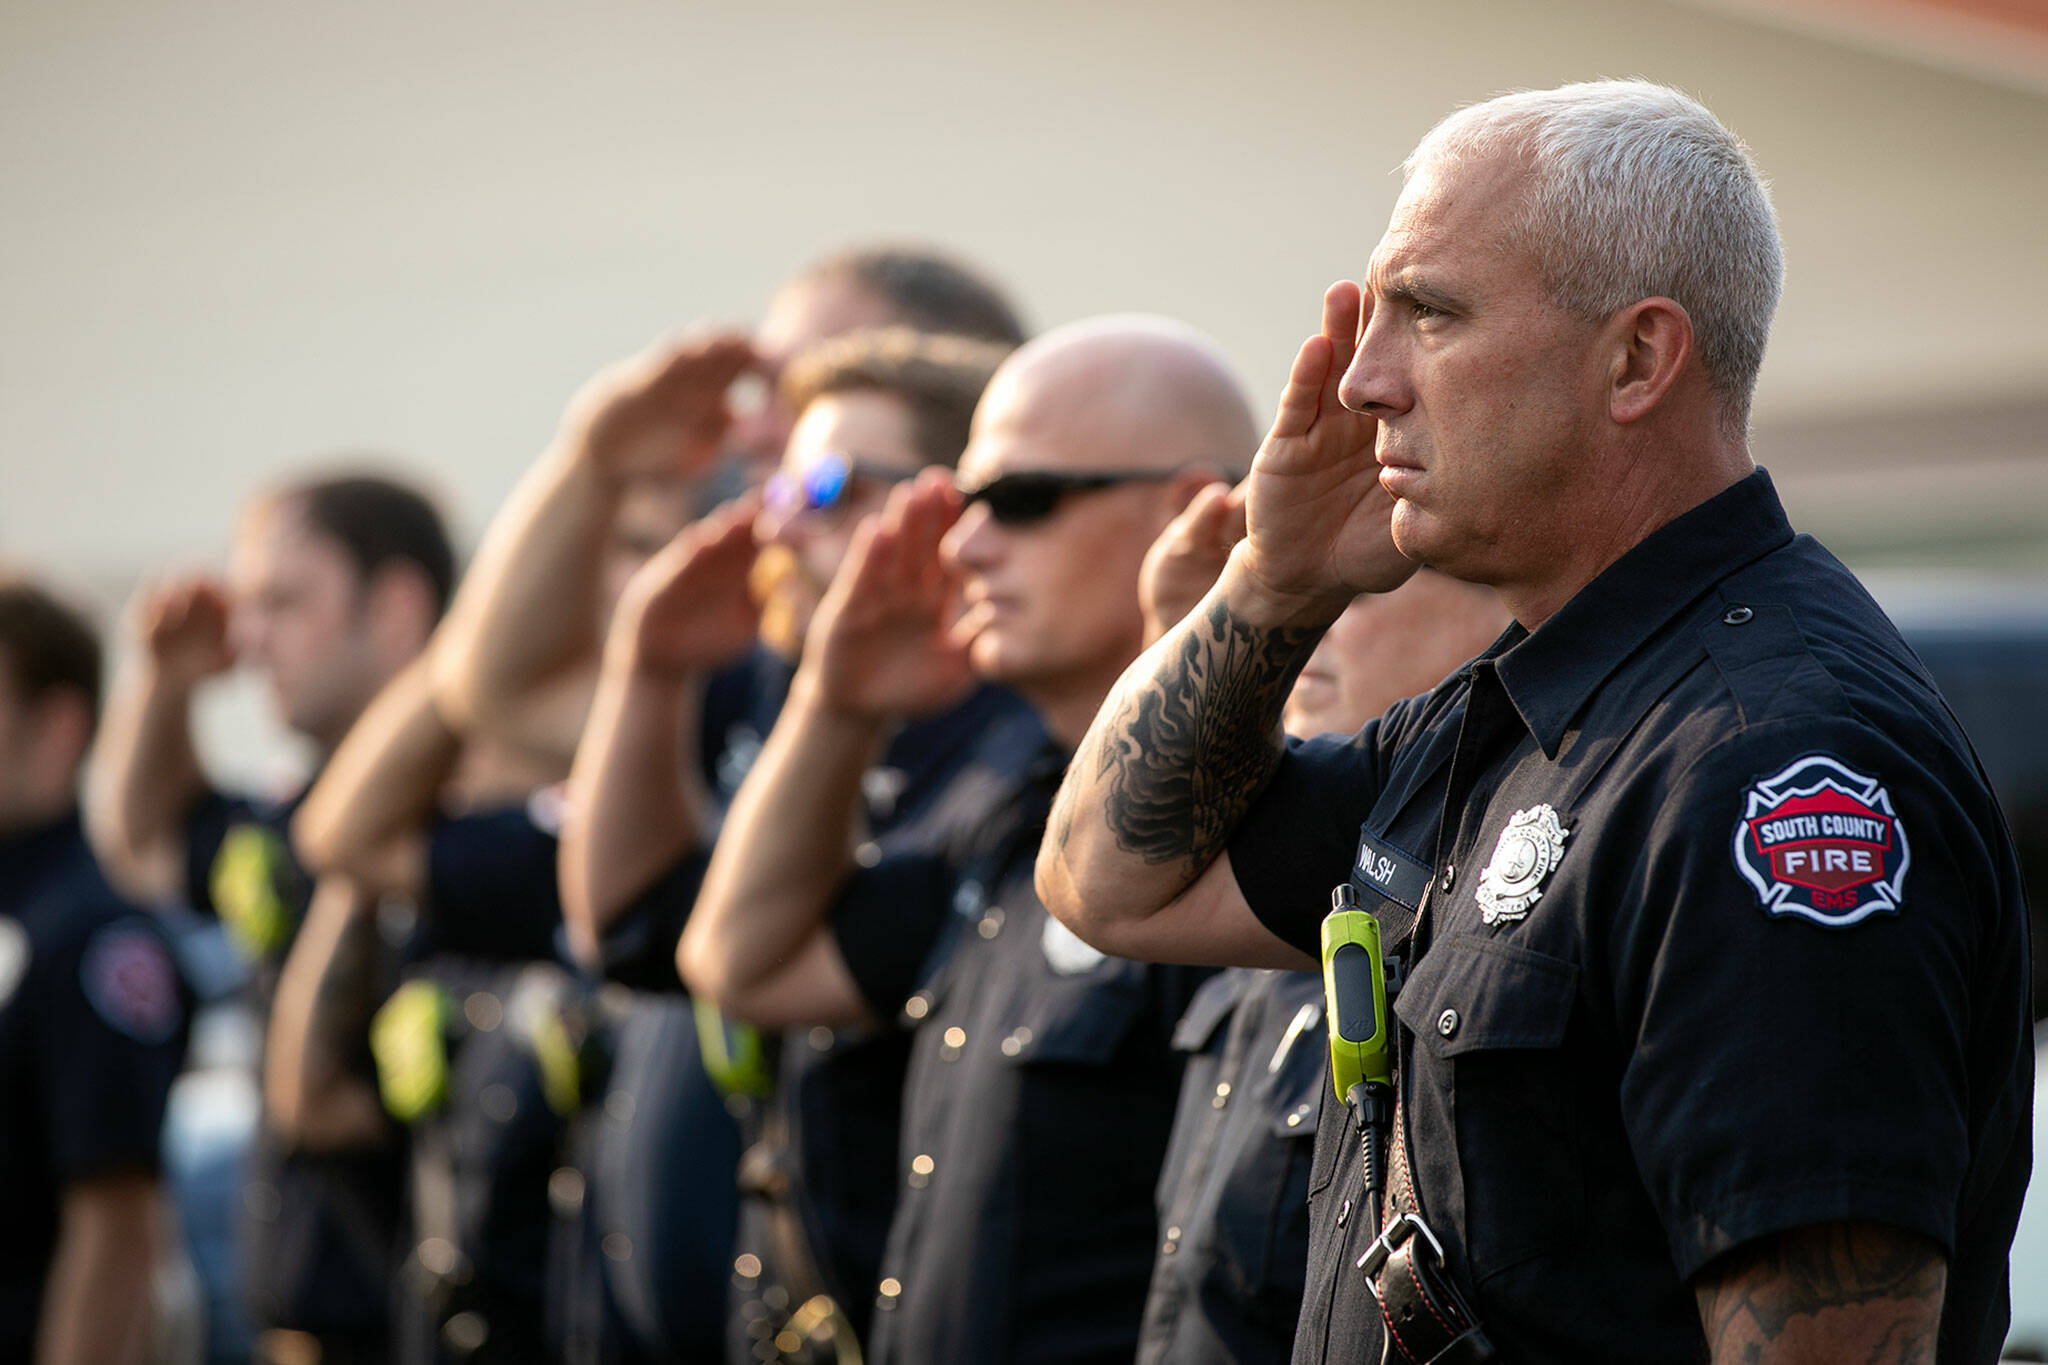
820	1039
955	1038
1344	1213
1294	1119
1447	1023
921	1168
1019	1039
917	1006
1222	1095
1735	616
868	854
1450	875
1172	1241
991	923
891	1290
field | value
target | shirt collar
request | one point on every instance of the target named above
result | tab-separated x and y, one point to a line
1553	672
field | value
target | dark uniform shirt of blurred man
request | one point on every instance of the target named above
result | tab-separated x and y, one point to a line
335	584
1233	1193
1041	1083
1711	971
92	1024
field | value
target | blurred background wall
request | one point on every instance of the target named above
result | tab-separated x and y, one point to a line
241	236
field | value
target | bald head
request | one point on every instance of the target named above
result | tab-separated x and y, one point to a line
1052	582
1121	392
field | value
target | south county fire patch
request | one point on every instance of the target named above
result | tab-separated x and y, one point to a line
1821	841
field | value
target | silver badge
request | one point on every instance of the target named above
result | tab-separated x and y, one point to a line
1528	849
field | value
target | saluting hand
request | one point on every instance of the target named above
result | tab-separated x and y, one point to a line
1183	563
183	624
881	644
1318	522
687	609
661	412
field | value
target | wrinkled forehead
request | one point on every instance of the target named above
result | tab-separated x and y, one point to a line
1454	205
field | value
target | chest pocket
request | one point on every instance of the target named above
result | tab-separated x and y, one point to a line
1490	1020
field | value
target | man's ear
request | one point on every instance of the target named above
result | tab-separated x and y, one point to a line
1651	344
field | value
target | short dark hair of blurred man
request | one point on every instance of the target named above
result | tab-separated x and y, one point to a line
1029	1049
92	1023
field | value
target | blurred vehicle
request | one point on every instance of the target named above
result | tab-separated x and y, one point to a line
1987	647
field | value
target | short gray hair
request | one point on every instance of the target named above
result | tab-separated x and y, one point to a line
1638	192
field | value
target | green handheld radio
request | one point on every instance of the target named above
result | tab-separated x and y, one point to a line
1355	991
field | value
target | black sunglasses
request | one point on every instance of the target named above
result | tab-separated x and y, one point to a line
1030	496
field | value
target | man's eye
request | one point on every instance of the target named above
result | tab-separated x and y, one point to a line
1423	312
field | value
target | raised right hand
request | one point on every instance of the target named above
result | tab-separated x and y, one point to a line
1318	522
183	625
687	609
881	644
1183	563
661	412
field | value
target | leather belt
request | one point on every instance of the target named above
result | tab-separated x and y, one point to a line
1427	1322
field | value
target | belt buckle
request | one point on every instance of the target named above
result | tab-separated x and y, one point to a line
1391	1239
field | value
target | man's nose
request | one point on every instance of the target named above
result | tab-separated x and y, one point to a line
972	540
1375	383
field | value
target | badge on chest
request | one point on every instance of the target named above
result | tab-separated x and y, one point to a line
1528	851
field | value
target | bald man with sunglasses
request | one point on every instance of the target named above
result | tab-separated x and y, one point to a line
1042	1083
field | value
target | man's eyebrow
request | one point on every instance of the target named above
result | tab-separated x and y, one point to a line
1409	286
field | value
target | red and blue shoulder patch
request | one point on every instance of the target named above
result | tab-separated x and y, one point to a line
1822	841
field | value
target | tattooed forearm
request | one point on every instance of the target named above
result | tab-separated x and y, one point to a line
1837	1292
1187	752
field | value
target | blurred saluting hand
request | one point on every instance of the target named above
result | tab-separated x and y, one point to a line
183	624
663	411
687	610
1183	563
881	643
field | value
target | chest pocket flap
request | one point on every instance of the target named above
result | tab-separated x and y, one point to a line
1470	994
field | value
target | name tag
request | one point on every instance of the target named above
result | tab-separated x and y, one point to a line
1391	872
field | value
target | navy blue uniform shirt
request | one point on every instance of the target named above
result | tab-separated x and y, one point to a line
1233	1193
93	1018
1723	936
1041	1089
838	1091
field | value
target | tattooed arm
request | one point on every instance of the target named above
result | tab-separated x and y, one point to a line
1133	856
1836	1292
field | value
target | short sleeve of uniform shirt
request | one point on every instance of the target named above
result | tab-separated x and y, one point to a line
113	1041
1299	838
886	922
1779	1069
